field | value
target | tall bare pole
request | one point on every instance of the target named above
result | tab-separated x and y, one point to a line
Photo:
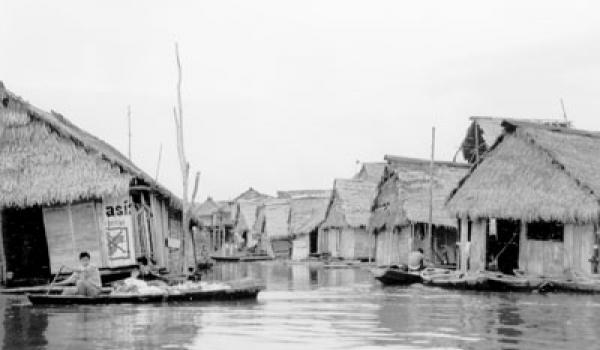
185	172
129	131
158	163
562	104
430	228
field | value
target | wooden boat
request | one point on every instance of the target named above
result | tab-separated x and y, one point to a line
396	276
225	258
239	293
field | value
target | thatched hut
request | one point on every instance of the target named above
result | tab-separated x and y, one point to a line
343	233
294	194
273	227
64	191
400	218
306	214
484	131
532	203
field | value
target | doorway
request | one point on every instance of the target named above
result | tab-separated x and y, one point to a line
25	246
313	241
503	247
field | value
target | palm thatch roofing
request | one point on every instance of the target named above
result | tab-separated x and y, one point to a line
307	213
246	215
251	194
371	172
490	128
304	194
534	173
404	195
203	212
350	204
47	160
273	219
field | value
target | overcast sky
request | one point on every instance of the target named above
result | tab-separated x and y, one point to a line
289	94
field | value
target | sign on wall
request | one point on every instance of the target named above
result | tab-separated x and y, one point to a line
118	231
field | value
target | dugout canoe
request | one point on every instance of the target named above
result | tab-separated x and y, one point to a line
396	276
242	293
225	258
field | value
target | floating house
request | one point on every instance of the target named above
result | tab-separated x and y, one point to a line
532	203
401	211
272	226
63	190
343	233
306	214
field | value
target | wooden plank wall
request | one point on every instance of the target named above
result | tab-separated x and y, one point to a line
361	243
477	255
71	229
579	248
464	244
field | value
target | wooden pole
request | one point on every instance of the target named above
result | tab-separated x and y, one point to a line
476	142
430	230
562	104
158	163
129	131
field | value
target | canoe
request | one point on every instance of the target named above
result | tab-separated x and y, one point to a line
192	295
394	276
225	258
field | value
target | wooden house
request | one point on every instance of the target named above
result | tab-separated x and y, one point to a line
272	226
306	214
344	232
400	219
63	190
532	203
244	216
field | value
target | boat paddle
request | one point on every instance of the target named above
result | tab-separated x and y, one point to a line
54	280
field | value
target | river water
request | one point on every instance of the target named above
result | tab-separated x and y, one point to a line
308	307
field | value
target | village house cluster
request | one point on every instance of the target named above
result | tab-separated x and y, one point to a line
526	197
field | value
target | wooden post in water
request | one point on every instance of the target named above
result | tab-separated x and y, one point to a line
430	229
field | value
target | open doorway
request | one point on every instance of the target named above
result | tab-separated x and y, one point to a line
25	246
313	241
503	246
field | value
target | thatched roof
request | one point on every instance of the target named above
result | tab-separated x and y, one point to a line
46	159
404	195
350	204
304	194
490	128
307	213
534	173
371	172
273	219
251	194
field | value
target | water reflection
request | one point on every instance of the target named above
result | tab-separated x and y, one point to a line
308	306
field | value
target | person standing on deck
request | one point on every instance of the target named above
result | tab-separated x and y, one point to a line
86	279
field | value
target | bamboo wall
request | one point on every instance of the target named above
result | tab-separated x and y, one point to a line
300	247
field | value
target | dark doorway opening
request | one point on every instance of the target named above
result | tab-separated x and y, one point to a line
313	241
503	247
25	246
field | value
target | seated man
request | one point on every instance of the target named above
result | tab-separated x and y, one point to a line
146	273
134	285
416	260
86	279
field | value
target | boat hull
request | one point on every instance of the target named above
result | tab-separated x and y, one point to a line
197	295
397	277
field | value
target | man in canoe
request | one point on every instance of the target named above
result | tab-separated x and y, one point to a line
86	279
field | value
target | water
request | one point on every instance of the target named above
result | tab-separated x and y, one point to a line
313	308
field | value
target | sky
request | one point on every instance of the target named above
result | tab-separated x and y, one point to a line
282	95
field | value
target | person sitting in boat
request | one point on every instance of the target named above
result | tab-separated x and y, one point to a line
146	272
86	279
134	285
416	260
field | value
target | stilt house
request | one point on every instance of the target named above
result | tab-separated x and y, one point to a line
532	203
